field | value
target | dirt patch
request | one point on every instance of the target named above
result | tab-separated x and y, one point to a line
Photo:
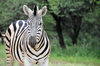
70	63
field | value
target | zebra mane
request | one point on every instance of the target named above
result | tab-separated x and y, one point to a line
35	10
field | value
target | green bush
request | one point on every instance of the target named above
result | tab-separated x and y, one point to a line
88	46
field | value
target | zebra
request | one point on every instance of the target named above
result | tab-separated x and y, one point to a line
26	40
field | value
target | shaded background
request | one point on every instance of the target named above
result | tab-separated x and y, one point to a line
73	27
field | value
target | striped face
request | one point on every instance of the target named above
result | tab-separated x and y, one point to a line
35	22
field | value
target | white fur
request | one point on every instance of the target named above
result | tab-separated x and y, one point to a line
27	62
45	63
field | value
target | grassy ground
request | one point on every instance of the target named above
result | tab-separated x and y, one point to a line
58	60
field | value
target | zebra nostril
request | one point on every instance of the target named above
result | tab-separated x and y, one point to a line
32	41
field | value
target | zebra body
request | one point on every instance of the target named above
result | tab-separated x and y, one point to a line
23	47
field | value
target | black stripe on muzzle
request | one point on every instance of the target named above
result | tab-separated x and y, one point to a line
32	41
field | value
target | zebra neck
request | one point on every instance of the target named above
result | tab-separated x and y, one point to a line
41	42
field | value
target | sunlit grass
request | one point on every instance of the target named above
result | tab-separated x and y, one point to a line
74	61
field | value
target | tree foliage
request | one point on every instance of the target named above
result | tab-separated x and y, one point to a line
70	18
75	14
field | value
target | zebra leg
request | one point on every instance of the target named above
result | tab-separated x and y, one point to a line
45	63
27	62
20	64
10	60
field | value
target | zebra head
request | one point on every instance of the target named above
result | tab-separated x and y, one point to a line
35	23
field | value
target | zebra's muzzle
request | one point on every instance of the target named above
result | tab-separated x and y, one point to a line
32	41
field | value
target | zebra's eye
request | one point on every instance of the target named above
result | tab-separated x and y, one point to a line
40	23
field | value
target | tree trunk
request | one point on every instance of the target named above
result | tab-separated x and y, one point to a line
76	23
58	26
59	30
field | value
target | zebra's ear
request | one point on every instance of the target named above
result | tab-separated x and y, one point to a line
27	10
43	11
